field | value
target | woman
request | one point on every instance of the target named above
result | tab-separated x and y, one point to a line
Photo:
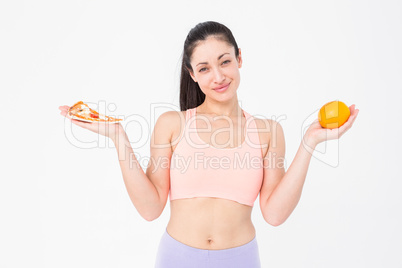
212	176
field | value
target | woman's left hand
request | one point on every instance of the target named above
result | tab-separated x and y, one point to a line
316	134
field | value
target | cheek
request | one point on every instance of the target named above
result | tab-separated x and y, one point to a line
235	70
204	79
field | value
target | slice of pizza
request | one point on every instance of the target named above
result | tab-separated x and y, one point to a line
82	112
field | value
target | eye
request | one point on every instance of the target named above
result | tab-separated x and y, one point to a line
226	62
202	70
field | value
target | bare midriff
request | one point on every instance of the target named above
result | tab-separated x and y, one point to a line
210	223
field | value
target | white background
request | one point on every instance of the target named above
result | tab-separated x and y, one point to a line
66	206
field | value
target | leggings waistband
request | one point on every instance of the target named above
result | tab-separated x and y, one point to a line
198	253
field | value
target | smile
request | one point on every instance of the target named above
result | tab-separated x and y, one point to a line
222	88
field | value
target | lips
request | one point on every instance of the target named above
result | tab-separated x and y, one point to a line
222	88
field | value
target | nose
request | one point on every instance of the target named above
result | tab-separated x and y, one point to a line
219	76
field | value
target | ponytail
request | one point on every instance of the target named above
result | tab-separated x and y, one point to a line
190	93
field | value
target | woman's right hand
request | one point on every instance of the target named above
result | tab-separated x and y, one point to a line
111	130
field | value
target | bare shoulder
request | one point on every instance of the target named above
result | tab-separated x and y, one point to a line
172	117
263	128
171	123
267	130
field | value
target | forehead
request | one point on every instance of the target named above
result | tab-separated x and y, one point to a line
211	48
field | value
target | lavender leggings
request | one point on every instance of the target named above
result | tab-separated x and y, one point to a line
174	254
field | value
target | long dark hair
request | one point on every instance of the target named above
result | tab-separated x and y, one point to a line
190	93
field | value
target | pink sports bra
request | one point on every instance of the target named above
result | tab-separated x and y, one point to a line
198	169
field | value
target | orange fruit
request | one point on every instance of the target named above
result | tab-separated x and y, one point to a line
333	114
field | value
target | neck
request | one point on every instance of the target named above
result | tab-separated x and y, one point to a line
230	108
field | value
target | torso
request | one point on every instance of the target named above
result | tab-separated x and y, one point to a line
213	223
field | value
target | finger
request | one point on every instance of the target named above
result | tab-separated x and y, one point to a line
336	133
65	113
345	127
356	112
349	123
354	117
352	108
64	107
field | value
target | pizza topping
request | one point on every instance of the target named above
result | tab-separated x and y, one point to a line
82	110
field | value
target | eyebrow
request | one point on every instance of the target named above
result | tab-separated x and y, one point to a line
218	59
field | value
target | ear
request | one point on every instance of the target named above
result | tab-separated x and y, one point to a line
240	59
192	75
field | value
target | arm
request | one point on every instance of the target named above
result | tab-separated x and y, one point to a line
285	196
281	191
148	191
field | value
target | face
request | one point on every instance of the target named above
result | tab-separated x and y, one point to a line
216	68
